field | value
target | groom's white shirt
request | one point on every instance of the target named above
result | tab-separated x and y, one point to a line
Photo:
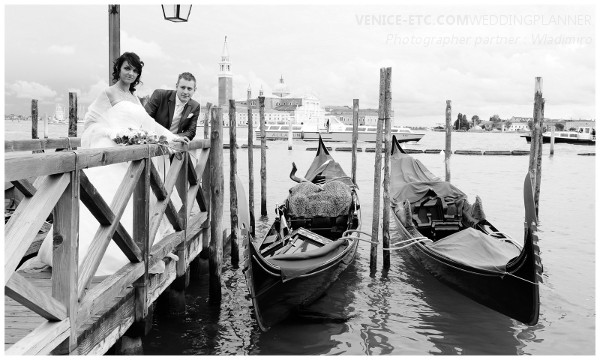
179	105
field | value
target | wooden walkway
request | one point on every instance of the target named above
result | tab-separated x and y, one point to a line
67	310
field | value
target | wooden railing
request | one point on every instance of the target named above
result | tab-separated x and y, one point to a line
55	183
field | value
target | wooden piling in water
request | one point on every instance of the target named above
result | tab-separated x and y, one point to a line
233	200
377	175
386	168
263	157
355	108
290	135
551	140
45	122
34	119
207	120
215	251
250	160
206	180
448	152
72	114
535	155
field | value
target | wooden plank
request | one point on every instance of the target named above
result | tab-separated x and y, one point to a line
92	199
19	289
157	184
181	185
102	237
160	206
195	190
42	340
66	254
192	176
35	165
25	187
41	144
141	236
28	218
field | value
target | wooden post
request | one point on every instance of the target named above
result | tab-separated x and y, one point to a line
290	135
354	137
114	38
34	119
233	201
207	119
215	251
377	176
535	158
182	274
73	114
250	157
141	237
448	150
263	157
551	140
66	256
386	168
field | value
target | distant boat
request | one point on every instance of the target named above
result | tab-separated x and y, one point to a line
339	134
583	136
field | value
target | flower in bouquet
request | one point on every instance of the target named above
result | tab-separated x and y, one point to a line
132	136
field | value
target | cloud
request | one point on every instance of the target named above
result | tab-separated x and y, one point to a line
62	49
88	96
145	49
30	90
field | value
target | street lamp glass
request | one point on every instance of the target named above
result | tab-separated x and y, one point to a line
177	13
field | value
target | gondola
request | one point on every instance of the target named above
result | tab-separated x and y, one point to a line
311	241
454	241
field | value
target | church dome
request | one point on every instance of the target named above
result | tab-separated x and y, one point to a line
281	89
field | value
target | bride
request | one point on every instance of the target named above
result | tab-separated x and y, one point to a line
116	109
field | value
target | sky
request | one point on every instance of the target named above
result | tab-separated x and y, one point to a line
484	58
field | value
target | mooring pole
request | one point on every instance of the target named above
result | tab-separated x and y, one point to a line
551	140
73	114
233	200
206	180
207	120
250	156
215	250
355	108
34	119
263	157
386	168
290	135
377	175
448	150
535	158
45	120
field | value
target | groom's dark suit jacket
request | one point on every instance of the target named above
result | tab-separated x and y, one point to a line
161	107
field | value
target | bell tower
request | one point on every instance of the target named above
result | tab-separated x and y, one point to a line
225	78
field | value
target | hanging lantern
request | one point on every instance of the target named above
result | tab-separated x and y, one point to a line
177	13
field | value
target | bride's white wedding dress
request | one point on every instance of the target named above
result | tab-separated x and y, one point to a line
102	122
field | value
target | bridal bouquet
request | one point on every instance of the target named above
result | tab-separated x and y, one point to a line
138	136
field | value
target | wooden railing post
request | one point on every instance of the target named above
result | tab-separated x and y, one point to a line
354	137
205	185
386	168
141	237
233	201
263	157
216	205
65	257
448	151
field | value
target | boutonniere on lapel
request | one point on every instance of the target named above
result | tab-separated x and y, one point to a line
190	115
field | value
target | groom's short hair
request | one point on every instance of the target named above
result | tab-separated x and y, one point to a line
187	76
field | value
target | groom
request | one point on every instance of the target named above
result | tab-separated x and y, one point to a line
175	109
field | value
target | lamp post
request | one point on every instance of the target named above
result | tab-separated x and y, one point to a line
175	13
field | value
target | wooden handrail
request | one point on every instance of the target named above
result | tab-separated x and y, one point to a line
34	165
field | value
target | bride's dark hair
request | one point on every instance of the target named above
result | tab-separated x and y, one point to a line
134	61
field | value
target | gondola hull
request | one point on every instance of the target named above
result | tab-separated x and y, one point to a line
514	294
274	300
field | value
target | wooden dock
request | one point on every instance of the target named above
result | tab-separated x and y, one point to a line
67	310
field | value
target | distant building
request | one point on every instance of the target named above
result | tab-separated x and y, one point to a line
366	117
225	78
518	126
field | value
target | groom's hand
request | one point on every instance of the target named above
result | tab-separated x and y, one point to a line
182	139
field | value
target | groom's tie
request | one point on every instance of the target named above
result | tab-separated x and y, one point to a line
176	118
